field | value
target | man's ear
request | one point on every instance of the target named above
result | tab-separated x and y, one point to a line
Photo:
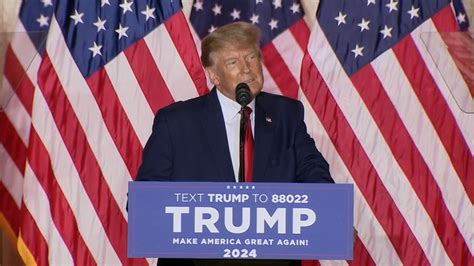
212	76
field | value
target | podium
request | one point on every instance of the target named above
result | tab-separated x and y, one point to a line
210	220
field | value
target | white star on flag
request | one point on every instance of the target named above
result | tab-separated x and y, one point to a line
77	17
341	18
273	24
414	12
198	5
47	3
358	51
122	31
364	25
95	50
43	21
276	3
126	6
392	6
254	18
149	13
387	32
461	18
217	10
235	14
370	2
295	8
104	2
100	24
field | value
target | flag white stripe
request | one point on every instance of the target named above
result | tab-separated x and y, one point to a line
376	148
68	179
290	51
170	64
421	130
131	96
16	113
464	120
114	170
371	233
10	176
37	203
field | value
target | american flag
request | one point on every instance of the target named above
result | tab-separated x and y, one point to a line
392	114
75	118
73	127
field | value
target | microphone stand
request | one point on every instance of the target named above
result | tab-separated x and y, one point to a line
243	120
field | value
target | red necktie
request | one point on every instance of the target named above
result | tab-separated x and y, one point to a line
249	147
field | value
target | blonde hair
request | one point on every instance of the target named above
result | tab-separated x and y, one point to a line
238	35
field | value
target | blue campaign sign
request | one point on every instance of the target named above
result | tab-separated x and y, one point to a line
240	220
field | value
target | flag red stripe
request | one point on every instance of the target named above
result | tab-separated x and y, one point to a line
279	71
437	110
301	33
414	167
148	76
18	79
361	255
61	212
9	209
182	38
359	165
12	142
89	171
116	120
33	237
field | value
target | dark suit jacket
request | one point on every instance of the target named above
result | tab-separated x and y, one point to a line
189	143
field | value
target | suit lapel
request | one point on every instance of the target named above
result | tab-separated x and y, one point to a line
214	128
265	123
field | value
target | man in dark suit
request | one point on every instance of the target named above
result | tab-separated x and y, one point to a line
198	139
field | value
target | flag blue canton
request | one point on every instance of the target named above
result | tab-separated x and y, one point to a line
96	32
361	30
36	18
273	17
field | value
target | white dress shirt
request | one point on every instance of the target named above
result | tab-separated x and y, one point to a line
231	113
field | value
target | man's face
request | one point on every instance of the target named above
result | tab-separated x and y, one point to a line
233	66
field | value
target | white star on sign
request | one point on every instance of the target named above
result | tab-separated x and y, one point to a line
149	13
198	6
341	18
273	24
357	51
122	31
43	21
364	25
461	18
126	6
414	12
392	6
254	18
47	3
217	9
96	50
235	14
387	32
276	3
295	8
100	24
77	17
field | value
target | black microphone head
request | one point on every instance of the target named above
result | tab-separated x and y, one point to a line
243	96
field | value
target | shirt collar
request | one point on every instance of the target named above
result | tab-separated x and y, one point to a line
231	108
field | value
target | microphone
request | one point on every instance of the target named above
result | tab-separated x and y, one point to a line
243	96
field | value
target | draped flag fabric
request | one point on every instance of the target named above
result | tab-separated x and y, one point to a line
394	116
385	100
74	126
